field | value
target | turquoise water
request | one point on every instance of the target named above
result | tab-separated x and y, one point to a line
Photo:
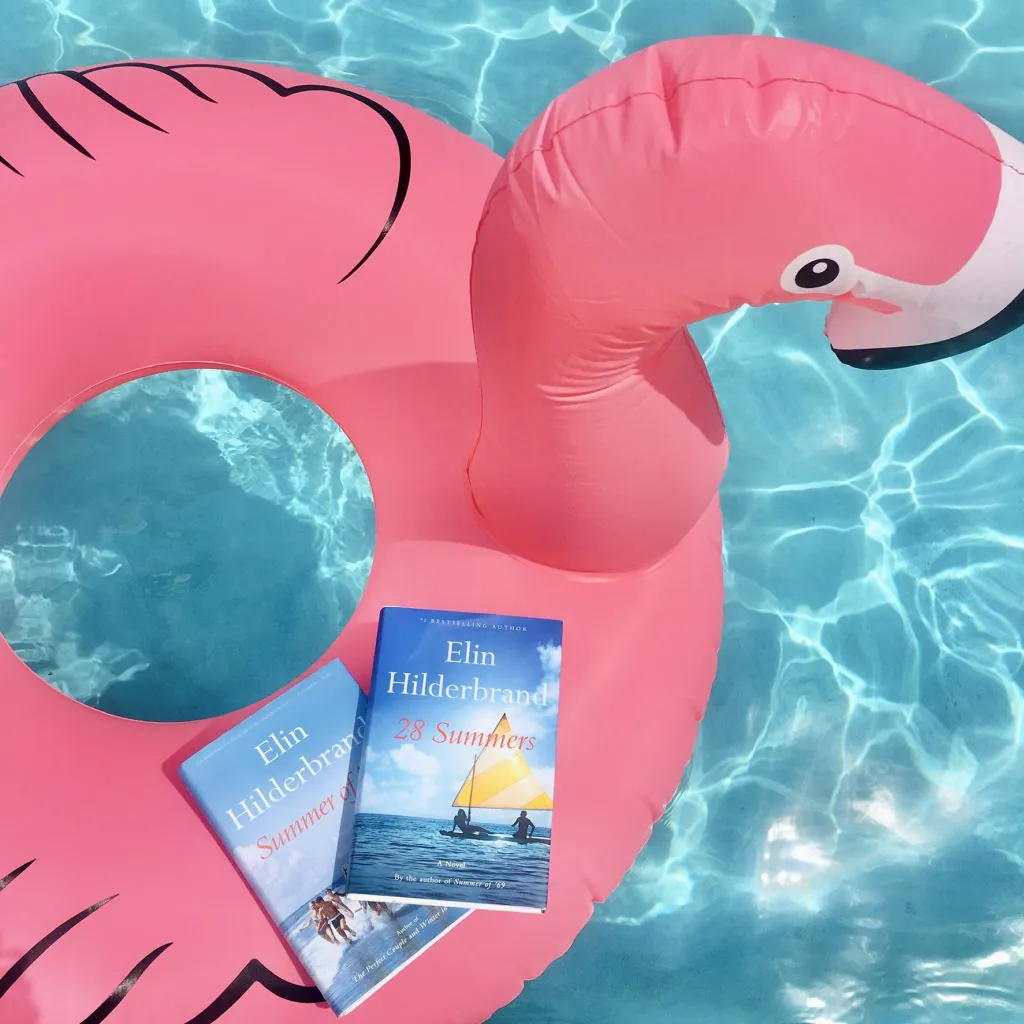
848	847
213	550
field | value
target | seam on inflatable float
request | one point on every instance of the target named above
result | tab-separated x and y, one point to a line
548	143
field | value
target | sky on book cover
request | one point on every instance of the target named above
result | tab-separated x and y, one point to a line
412	766
313	722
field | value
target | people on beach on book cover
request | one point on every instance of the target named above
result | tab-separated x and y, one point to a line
457	794
350	947
330	916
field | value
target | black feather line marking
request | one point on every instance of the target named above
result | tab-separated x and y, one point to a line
255	973
174	72
396	126
101	93
107	1007
11	167
7	879
162	69
48	119
23	963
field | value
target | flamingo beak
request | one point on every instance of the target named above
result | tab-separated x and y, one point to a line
869	340
878	322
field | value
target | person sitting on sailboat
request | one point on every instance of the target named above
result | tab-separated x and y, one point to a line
462	823
521	825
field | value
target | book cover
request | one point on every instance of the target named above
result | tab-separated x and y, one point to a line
457	797
280	791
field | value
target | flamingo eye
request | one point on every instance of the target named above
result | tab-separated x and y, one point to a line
817	274
825	268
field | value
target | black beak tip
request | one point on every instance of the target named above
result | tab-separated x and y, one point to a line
908	355
860	358
886	358
1007	320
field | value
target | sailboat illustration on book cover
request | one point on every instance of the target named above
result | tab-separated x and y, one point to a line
458	793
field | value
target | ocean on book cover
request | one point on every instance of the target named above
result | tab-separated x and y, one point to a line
280	791
457	797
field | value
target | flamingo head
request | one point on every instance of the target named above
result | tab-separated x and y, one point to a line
884	321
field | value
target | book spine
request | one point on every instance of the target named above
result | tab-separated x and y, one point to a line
374	673
354	850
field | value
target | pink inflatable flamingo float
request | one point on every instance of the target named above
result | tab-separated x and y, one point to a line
503	343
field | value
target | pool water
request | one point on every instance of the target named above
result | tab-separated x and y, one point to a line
848	845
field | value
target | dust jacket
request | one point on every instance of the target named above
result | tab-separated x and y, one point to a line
457	798
280	790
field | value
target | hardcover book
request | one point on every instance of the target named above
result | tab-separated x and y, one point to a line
457	797
280	789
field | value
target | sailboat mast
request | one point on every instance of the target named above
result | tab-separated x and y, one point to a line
472	779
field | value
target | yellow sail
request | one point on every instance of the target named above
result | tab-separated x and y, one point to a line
501	779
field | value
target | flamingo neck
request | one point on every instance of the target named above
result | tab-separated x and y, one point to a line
674	185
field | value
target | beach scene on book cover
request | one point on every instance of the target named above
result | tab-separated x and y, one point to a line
457	796
352	947
280	790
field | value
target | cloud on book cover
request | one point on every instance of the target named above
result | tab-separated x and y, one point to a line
551	674
408	759
550	661
283	879
525	719
545	775
395	795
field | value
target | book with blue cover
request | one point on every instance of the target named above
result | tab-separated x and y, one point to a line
457	797
280	790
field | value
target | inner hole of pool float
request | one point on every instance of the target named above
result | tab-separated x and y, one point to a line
183	545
